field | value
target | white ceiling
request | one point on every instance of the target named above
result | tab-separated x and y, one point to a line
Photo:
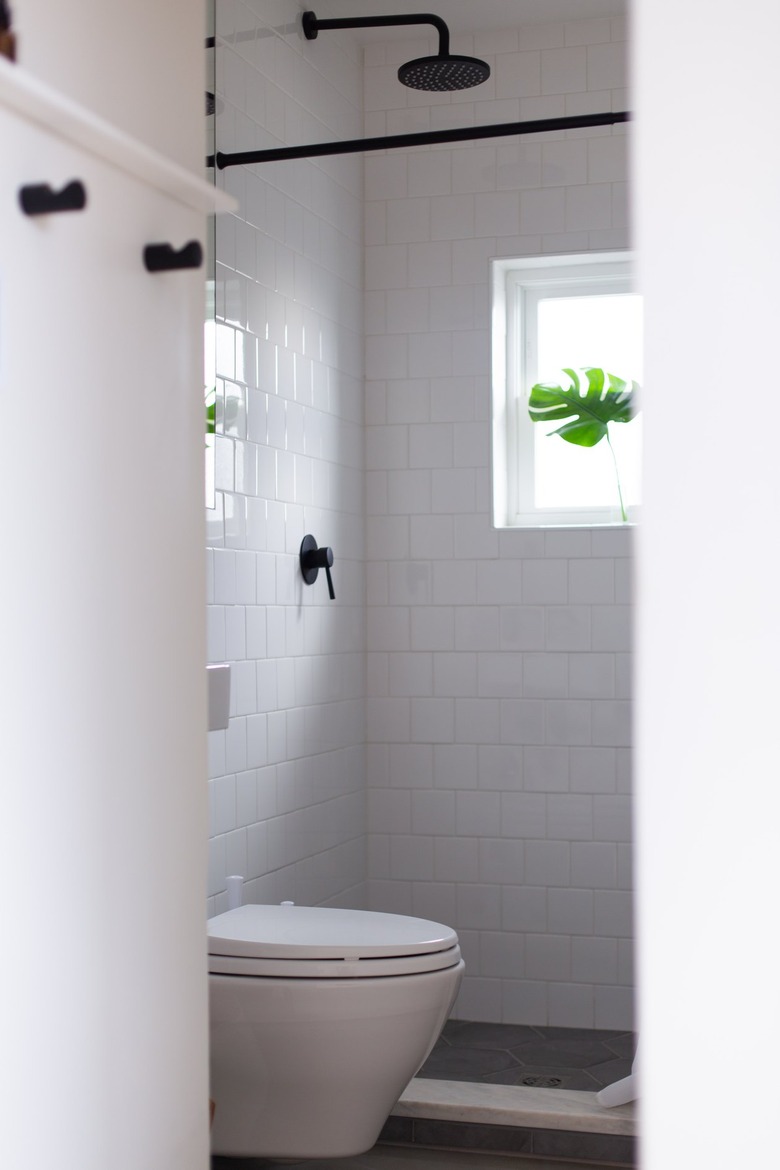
468	16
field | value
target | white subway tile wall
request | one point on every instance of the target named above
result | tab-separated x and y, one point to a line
288	784
499	723
451	736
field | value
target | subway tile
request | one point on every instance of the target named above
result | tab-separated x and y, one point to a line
568	628
522	721
455	584
477	721
479	906
477	628
594	865
546	769
433	812
613	913
606	66
589	207
408	400
565	70
388	720
431	445
570	817
455	674
547	957
545	676
547	863
569	722
389	811
543	211
455	765
411	765
433	721
430	173
474	169
523	908
500	582
435	901
408	220
592	676
570	1006
429	265
433	628
501	860
432	536
500	767
611	723
409	492
411	858
502	955
478	814
409	583
612	818
612	627
453	490
410	674
523	815
570	912
455	859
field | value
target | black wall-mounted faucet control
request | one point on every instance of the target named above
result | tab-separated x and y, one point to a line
313	559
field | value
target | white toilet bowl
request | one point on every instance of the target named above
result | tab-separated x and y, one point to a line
319	1018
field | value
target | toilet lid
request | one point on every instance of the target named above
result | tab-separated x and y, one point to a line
317	932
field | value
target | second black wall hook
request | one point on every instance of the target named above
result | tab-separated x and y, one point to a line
313	559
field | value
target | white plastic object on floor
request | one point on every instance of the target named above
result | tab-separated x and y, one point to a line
622	1091
235	891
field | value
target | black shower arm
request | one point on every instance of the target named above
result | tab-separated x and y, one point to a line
312	25
423	138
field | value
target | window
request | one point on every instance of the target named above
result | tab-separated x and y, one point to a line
552	313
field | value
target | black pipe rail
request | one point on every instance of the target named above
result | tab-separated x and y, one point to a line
422	138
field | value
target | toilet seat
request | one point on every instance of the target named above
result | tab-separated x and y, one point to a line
315	942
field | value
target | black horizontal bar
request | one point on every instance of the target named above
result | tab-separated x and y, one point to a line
423	138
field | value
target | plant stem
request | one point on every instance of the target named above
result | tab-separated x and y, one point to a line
617	477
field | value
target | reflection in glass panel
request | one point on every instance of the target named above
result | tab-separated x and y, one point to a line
209	354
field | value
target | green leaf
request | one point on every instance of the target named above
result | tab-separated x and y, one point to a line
587	405
211	411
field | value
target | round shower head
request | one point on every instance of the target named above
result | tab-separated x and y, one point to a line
443	73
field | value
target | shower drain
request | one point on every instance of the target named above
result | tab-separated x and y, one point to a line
542	1082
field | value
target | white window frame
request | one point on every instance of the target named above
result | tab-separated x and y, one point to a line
517	286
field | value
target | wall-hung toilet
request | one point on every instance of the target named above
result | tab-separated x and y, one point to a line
319	1018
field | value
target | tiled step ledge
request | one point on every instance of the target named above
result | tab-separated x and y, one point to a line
510	1105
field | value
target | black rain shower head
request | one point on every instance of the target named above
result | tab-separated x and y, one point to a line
441	73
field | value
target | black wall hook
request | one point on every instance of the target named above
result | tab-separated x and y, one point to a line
41	199
313	559
164	258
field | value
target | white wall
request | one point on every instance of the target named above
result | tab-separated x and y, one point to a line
140	66
708	794
287	789
499	665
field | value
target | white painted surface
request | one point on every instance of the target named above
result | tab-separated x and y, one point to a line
709	639
140	66
103	857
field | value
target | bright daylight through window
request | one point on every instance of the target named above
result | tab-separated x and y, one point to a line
574	457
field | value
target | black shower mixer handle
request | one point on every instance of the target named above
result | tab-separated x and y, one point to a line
313	559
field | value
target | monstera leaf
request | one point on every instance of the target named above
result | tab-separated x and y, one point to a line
588	405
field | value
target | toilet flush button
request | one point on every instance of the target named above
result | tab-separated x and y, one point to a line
286	903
